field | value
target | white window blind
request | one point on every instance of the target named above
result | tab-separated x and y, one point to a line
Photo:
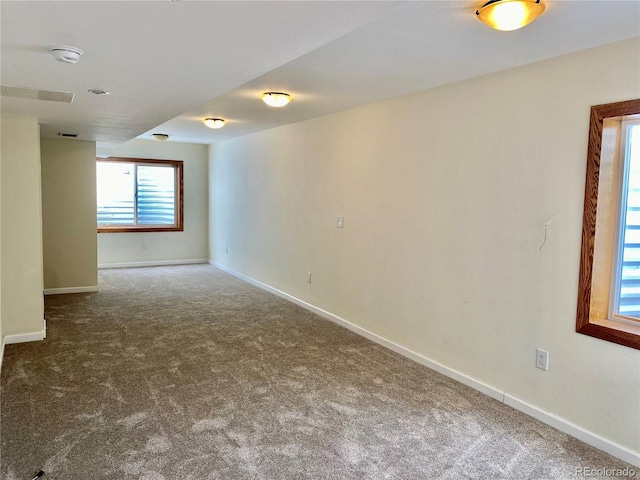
626	301
137	195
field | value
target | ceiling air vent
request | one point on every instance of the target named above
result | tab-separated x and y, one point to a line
68	135
32	94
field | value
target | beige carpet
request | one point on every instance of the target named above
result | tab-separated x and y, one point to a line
188	373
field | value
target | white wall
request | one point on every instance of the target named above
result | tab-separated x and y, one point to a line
445	195
69	213
192	243
21	218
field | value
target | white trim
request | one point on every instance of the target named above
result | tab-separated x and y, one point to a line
574	430
25	337
555	421
58	291
153	263
1	352
363	332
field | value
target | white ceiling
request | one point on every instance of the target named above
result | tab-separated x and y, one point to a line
168	64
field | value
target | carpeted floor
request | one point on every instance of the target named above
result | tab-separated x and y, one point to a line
189	373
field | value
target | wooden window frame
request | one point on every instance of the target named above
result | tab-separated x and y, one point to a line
617	331
179	182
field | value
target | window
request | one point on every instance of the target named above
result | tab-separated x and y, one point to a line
609	281
625	301
139	195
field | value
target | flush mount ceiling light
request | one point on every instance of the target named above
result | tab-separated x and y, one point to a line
66	54
507	15
214	122
161	137
97	91
276	99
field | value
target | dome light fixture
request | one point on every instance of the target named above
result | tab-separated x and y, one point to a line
507	15
214	122
161	137
98	91
66	54
276	99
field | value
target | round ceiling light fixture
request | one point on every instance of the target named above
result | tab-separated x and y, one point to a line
507	15
66	54
161	137
276	99
97	91
214	122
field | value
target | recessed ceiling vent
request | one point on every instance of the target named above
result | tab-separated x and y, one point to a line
68	135
32	94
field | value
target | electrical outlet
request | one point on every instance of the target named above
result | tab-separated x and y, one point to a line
308	277
145	246
542	359
340	221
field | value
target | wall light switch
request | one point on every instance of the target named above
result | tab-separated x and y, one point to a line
145	246
340	221
308	277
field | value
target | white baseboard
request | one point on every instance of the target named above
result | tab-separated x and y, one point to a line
64	290
554	421
1	352
153	263
438	367
27	337
574	430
